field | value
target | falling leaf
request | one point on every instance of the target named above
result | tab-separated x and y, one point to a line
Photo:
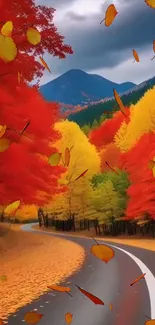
8	49
18	76
89	295
44	64
138	279
111	168
67	157
54	159
59	288
33	36
136	57
68	318
25	127
119	102
110	15
150	3
32	317
111	307
81	174
153	49
12	208
150	322
1	322
3	278
2	130
4	144
7	29
63	181
103	252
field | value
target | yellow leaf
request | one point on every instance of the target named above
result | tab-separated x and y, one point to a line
3	278
33	36
59	288
68	318
32	317
4	144
103	252
111	307
7	29
12	208
150	3
8	49
54	159
2	130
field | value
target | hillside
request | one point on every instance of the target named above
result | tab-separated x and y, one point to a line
94	112
78	87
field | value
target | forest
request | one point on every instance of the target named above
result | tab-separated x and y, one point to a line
49	162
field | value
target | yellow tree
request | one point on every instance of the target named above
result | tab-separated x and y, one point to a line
142	121
83	156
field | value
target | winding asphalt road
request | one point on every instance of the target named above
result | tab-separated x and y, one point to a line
110	282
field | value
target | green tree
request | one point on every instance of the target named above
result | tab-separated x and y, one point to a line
95	124
86	129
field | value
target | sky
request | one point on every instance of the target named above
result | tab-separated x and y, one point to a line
106	51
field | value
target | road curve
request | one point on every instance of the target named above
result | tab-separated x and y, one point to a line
110	282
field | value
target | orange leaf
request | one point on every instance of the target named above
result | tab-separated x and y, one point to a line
1	322
59	288
150	322
136	57
2	130
110	15
44	64
138	279
68	318
150	3
81	174
32	317
89	295
67	157
119	102
103	252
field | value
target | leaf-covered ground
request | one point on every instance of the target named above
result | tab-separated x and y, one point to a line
31	262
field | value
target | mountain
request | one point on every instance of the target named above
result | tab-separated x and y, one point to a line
78	87
94	111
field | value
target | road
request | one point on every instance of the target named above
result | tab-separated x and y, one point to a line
110	282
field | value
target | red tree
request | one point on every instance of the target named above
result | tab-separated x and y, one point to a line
106	132
24	14
23	172
142	189
110	154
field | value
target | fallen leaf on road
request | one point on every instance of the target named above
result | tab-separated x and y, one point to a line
3	278
32	317
138	279
59	288
103	252
90	296
68	318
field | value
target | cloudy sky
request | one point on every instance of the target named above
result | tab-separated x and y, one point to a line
106	51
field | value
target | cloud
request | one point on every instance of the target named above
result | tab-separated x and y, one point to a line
98	48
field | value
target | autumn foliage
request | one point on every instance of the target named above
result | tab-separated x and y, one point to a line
25	173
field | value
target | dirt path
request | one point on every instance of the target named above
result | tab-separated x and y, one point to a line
30	263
